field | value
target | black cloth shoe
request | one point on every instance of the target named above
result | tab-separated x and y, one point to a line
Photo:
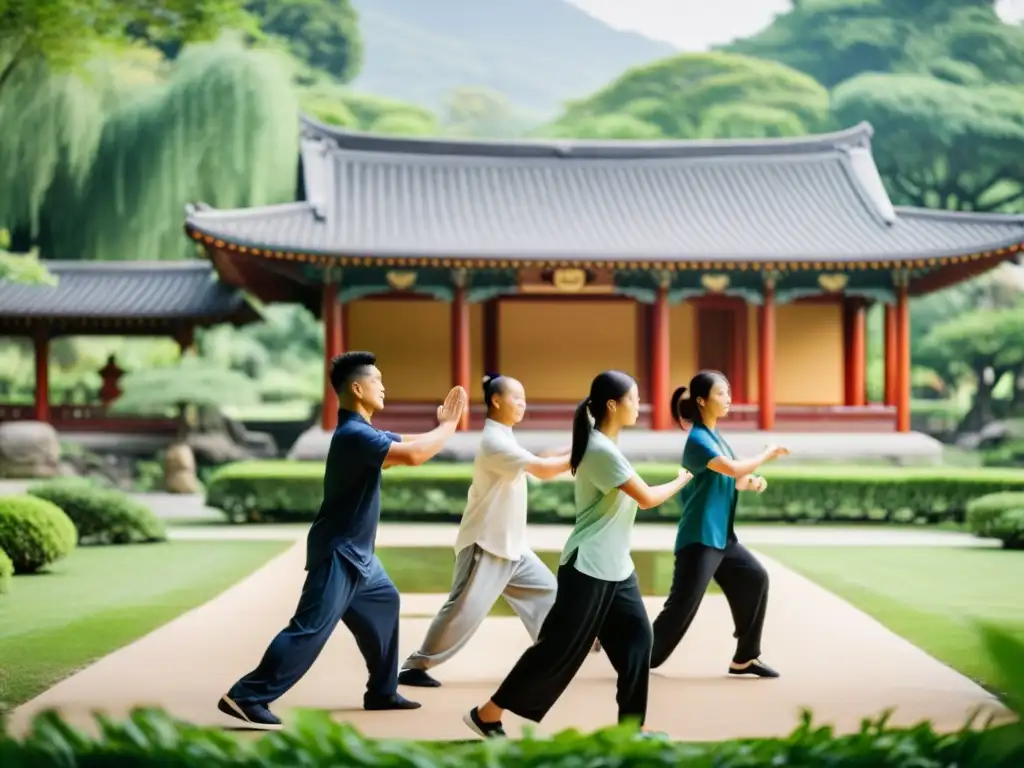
254	714
417	678
755	668
480	728
393	701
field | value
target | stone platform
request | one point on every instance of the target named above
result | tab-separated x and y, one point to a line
647	445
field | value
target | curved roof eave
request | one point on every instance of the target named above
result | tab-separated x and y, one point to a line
358	141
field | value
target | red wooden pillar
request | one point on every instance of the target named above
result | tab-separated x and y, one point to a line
41	409
890	354
460	346
902	358
331	313
855	333
766	361
661	416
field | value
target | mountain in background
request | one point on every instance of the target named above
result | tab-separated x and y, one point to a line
537	53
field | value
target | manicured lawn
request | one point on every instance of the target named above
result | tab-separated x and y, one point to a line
928	595
426	570
100	599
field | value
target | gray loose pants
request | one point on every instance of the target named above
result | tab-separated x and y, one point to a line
480	579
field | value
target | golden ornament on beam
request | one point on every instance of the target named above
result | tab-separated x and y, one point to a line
715	283
401	281
833	283
569	279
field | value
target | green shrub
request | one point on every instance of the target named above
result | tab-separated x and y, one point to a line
998	516
255	491
34	533
101	515
6	572
151	738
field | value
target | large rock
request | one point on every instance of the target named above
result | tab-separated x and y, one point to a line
180	469
28	449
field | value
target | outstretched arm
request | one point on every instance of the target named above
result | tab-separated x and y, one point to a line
421	448
546	467
740	468
647	497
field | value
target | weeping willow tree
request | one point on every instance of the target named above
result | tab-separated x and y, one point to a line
222	128
48	121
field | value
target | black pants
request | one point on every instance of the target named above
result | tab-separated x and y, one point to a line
334	591
745	584
585	608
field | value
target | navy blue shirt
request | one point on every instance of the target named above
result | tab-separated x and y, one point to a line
349	514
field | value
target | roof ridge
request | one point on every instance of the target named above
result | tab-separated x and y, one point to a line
152	265
857	135
942	214
203	211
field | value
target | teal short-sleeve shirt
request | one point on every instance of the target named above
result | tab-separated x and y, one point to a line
604	514
708	501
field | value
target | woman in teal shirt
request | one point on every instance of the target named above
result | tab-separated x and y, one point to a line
598	594
706	545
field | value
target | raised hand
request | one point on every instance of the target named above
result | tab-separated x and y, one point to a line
454	405
685	475
775	451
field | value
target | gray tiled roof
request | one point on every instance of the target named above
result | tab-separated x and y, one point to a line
126	289
812	198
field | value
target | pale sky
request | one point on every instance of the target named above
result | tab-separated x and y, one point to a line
695	25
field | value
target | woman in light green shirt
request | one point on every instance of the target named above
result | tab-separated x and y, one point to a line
598	594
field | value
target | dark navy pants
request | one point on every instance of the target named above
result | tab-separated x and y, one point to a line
334	591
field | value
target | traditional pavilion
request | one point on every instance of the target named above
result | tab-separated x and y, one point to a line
554	260
108	298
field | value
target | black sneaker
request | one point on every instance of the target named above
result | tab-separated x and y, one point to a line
480	728
756	668
417	678
393	701
254	714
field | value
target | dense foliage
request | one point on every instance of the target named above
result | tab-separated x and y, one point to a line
6	572
999	516
101	515
286	490
34	533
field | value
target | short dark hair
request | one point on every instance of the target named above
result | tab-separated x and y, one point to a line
347	367
494	384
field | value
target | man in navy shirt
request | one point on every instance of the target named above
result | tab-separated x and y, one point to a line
345	581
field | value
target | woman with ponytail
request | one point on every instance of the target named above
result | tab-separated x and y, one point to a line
598	595
492	557
706	545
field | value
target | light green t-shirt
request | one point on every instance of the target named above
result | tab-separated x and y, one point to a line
604	514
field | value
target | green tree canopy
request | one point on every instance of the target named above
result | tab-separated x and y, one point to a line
323	34
835	40
63	34
482	112
704	95
222	129
943	145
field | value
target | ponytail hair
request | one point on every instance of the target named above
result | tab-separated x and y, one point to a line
685	407
609	385
580	434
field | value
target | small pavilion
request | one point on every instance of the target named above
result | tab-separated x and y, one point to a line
113	298
553	260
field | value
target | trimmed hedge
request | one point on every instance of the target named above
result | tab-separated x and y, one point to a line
998	516
102	515
151	738
6	572
280	491
34	533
